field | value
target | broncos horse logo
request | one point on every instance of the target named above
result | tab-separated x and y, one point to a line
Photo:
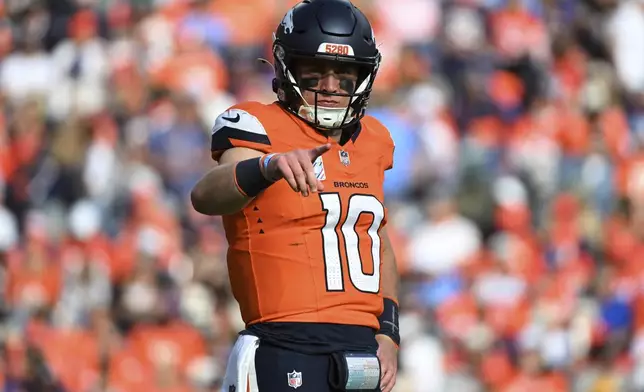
287	22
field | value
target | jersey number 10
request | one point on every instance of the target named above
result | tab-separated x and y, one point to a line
357	205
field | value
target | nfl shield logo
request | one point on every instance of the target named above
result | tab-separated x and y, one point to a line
344	158
294	379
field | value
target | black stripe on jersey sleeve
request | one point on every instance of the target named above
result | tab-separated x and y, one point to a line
221	139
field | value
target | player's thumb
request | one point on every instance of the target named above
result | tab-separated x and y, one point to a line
319	150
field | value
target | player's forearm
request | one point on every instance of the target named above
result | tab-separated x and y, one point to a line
229	187
390	281
217	194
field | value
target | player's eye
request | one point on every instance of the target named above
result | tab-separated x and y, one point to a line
347	85
309	82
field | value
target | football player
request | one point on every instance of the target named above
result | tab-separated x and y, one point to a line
300	187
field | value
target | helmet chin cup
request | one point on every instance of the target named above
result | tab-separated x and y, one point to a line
329	118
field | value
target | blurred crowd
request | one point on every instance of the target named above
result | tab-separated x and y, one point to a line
516	199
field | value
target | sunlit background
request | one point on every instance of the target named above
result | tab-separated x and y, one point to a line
516	202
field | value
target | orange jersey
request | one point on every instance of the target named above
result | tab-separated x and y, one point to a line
313	259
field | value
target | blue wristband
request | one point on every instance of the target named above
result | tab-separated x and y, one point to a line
267	159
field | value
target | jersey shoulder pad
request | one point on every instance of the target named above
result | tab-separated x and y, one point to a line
240	126
381	132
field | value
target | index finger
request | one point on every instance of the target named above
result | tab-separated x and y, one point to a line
319	150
